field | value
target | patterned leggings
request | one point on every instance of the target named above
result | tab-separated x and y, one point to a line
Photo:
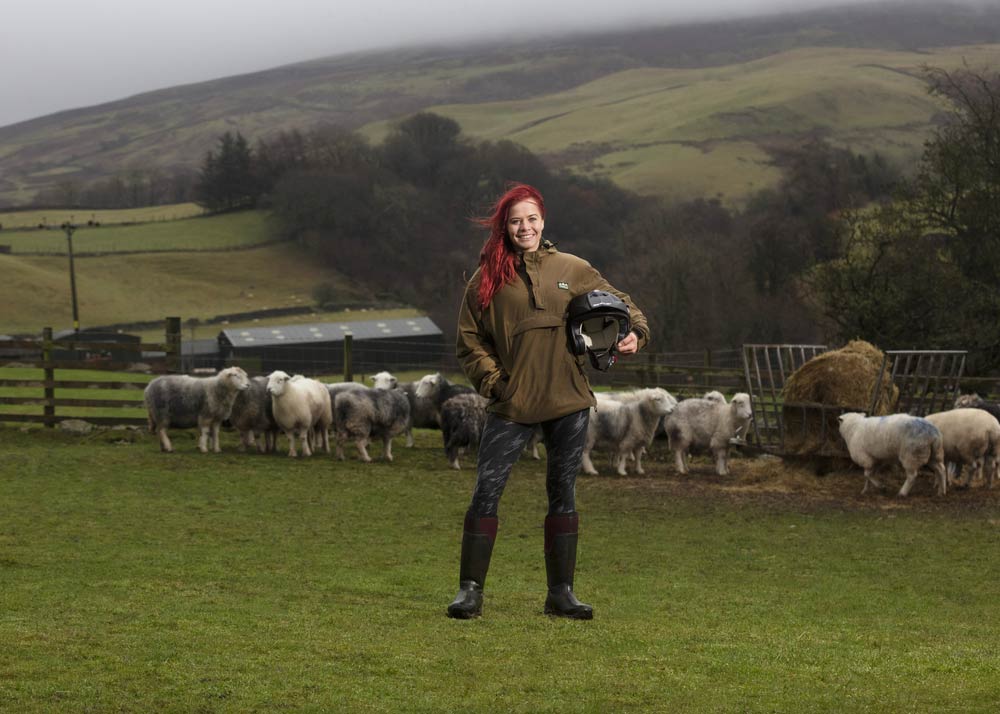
501	446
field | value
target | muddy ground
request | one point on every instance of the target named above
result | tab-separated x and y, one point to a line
802	484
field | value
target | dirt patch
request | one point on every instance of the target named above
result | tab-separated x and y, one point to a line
803	484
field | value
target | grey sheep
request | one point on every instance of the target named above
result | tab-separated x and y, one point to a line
910	440
974	401
363	414
626	428
180	401
253	417
424	413
462	420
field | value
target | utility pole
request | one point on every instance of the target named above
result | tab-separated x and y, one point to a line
70	228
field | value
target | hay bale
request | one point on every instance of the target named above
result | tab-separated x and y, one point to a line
841	381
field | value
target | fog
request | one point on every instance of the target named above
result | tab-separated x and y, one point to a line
62	54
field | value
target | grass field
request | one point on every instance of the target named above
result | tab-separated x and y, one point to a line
56	217
115	289
221	232
135	581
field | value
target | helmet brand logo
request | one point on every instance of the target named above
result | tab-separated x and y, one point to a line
563	286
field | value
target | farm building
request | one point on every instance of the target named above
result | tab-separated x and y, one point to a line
121	347
318	348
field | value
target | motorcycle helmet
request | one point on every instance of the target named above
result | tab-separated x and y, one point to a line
596	322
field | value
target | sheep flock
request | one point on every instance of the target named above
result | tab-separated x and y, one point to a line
623	424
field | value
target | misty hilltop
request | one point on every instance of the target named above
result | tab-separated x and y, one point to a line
678	110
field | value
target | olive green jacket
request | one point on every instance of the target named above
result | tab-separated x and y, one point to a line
516	352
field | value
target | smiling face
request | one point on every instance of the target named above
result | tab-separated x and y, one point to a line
524	226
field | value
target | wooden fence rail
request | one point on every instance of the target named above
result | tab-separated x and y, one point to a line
49	354
45	400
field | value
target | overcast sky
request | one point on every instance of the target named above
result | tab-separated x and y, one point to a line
63	54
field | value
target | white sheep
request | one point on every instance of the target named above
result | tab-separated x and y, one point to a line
910	440
625	428
707	424
180	401
253	417
462	419
364	413
971	437
301	409
633	394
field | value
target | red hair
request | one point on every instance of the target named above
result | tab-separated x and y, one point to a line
497	259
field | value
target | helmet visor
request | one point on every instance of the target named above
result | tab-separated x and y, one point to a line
600	333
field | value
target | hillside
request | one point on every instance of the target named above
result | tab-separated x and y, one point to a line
119	288
171	129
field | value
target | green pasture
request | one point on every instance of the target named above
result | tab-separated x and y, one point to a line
219	232
53	218
114	289
676	132
135	581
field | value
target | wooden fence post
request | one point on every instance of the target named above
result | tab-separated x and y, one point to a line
49	410
649	375
708	364
348	357
172	359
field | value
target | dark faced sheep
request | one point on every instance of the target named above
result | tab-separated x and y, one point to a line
462	420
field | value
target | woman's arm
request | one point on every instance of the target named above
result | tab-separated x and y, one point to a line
475	351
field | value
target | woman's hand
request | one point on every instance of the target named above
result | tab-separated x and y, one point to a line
629	344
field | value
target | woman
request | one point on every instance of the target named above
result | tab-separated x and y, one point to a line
512	345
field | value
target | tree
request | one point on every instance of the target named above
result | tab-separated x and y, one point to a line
893	285
958	185
226	180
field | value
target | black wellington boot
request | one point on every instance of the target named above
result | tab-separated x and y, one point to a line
477	547
560	563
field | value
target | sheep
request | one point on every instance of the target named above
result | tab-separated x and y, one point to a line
424	413
912	441
301	406
180	401
438	389
971	436
462	419
707	423
974	401
365	413
636	394
625	427
253	416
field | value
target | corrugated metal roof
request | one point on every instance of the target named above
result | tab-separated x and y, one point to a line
331	332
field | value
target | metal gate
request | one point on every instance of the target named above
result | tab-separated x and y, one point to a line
928	381
766	368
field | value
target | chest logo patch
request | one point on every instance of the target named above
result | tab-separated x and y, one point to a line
562	286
